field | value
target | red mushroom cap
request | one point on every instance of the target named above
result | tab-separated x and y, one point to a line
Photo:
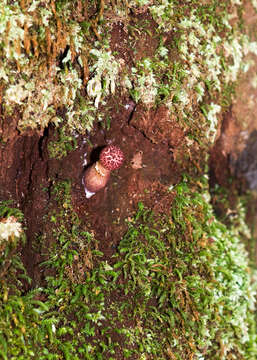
111	157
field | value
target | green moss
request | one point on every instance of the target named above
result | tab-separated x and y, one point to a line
6	210
12	237
39	42
196	68
171	278
62	146
179	285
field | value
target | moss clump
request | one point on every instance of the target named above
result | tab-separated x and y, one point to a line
11	238
197	271
179	287
53	41
63	145
43	62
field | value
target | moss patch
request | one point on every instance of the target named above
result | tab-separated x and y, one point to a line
179	286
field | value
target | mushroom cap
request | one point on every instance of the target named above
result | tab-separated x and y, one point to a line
111	157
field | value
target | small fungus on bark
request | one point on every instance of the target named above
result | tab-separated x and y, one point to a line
98	174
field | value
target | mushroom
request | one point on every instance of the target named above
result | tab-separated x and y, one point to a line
98	174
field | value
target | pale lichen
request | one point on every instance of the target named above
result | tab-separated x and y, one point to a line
10	228
212	118
105	72
42	41
162	11
254	3
34	74
144	83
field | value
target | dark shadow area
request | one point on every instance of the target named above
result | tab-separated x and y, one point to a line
246	164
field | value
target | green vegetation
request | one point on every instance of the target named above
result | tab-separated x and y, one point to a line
178	284
69	44
63	145
11	238
7	211
39	41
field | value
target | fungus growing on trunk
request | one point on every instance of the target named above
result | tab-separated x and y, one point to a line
98	174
